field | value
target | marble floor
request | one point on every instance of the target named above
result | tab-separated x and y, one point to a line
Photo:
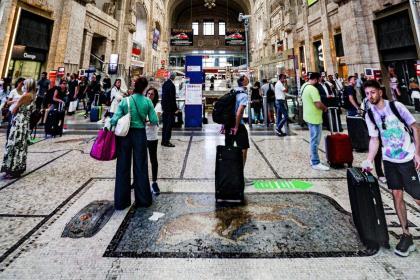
61	179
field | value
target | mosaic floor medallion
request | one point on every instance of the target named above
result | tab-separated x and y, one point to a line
270	225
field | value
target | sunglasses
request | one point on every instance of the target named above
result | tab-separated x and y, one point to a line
383	122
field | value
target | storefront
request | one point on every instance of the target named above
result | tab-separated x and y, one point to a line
31	46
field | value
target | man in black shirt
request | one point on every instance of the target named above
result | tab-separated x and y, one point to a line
350	97
169	108
43	85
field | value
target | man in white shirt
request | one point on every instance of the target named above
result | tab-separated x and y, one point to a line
281	115
399	135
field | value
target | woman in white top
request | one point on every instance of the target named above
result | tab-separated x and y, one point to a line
152	138
12	100
116	97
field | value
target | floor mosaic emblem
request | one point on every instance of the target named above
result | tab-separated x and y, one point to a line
270	225
282	184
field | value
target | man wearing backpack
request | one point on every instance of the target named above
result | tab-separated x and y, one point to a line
268	91
238	133
392	124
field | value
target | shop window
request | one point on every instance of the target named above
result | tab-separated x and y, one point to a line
208	28
195	28
222	28
338	41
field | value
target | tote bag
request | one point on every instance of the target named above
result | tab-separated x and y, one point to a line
123	124
104	148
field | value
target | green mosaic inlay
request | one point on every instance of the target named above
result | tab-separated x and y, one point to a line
283	184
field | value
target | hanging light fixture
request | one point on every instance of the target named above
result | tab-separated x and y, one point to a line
210	4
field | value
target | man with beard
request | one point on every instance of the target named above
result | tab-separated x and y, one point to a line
391	124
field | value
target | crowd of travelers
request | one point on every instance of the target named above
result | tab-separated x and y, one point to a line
390	125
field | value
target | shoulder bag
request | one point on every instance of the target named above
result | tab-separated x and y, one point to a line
123	124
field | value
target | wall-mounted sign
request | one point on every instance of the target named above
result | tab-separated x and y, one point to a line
182	37
418	70
235	38
193	68
311	2
113	64
61	71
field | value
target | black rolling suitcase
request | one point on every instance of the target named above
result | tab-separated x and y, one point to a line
55	122
358	133
230	182
367	208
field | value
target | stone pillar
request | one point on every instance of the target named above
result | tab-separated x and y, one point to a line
309	57
87	48
329	64
108	49
355	41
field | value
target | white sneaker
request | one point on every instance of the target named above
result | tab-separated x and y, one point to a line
320	167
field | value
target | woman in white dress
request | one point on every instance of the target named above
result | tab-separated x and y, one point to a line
116	96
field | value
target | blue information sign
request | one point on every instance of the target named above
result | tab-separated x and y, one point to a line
193	110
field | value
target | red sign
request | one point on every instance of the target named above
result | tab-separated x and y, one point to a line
61	71
418	70
136	51
162	73
377	74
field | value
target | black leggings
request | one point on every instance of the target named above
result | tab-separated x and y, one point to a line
152	147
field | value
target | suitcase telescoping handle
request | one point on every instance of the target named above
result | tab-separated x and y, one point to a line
96	100
334	110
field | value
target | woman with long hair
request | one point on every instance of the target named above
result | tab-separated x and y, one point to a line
14	161
134	146
152	138
116	97
12	100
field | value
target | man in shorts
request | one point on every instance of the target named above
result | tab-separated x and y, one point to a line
393	125
239	133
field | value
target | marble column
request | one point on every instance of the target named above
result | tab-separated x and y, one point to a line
327	39
87	48
108	49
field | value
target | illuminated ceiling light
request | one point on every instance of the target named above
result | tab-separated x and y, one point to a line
210	4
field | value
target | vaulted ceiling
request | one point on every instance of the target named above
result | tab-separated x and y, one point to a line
225	8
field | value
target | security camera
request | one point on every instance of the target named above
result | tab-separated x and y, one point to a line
242	17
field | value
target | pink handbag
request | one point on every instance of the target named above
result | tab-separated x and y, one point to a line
104	148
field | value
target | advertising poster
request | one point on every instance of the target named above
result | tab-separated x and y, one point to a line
311	2
235	37
182	37
156	38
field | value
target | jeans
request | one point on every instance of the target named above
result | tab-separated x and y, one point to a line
133	146
168	120
315	132
281	113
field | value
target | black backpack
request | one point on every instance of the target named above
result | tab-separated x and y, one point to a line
224	109
271	96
